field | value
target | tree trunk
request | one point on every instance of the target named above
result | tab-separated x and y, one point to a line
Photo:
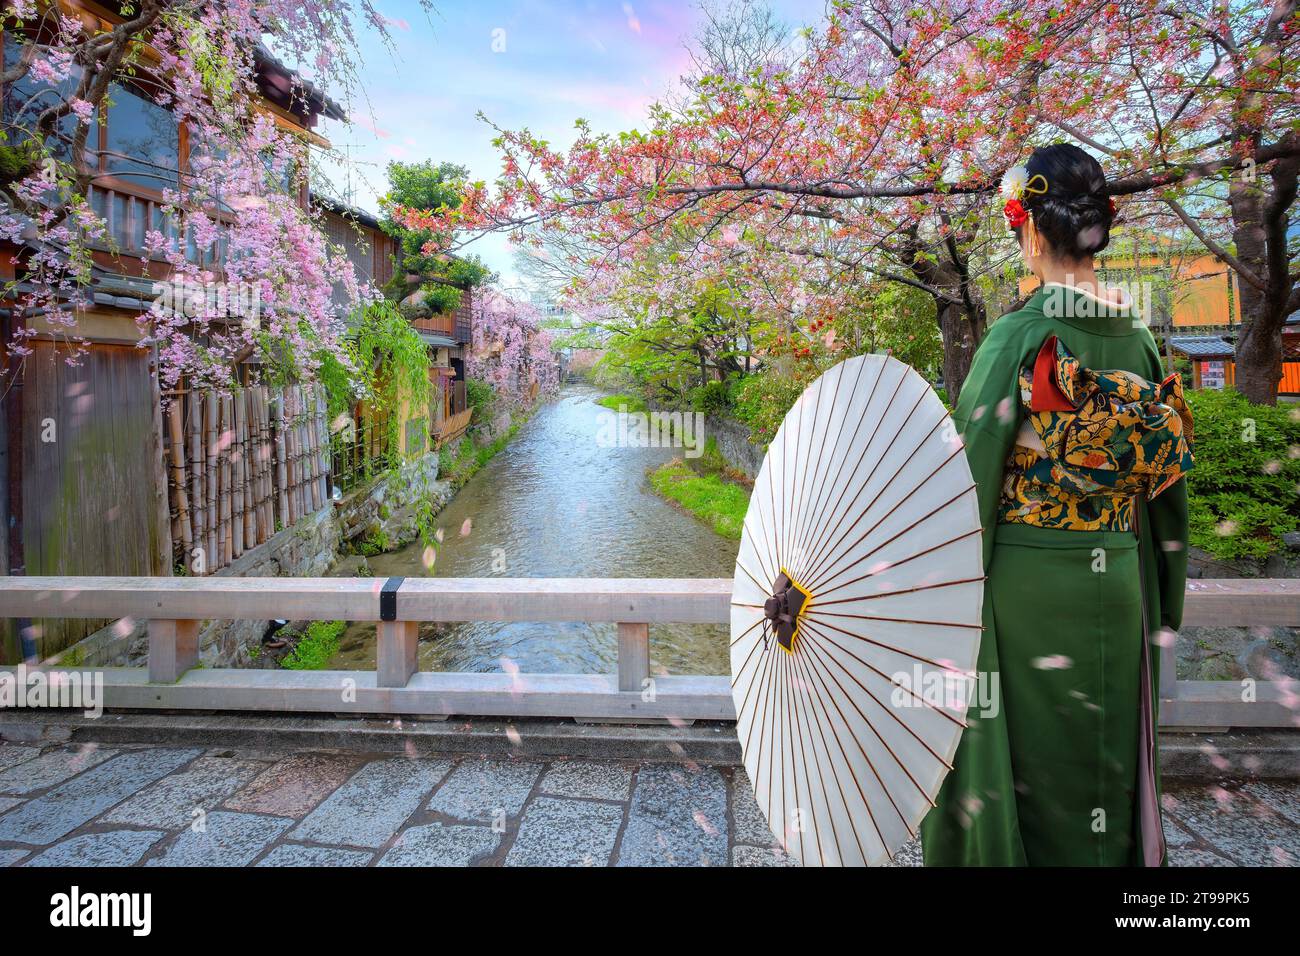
959	309
1259	233
959	343
1258	357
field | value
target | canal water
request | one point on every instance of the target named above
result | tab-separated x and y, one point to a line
554	503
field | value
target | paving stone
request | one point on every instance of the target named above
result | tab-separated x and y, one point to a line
1186	857
678	817
909	854
52	769
742	855
1282	796
750	826
371	806
1235	824
80	800
7	803
439	844
566	833
482	790
172	801
10	857
588	778
228	839
295	785
113	848
293	854
1175	833
9	756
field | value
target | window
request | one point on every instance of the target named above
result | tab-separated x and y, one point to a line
25	99
143	141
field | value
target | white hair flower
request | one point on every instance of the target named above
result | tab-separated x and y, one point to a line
1014	181
1017	183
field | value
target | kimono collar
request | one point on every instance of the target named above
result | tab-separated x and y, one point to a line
1084	310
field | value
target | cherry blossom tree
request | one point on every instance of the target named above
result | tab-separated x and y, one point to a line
510	350
876	151
1201	126
236	204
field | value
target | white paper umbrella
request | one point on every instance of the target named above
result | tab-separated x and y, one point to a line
855	617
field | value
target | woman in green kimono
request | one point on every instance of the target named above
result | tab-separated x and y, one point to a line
1077	446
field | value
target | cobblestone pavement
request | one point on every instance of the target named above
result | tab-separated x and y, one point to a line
162	806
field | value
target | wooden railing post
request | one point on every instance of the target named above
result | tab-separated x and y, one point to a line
397	653
173	649
633	656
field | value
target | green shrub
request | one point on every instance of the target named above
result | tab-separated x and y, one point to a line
376	543
319	643
1243	488
761	401
711	398
479	396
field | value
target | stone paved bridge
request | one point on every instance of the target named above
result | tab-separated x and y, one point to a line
100	805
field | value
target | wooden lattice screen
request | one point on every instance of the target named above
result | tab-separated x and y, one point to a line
241	467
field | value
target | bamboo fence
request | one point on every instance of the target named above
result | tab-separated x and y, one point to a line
241	467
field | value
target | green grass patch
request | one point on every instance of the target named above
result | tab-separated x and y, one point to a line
319	644
372	545
719	503
624	403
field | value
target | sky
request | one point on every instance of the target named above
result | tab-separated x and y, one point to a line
539	64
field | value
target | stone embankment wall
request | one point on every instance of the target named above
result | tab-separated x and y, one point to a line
733	443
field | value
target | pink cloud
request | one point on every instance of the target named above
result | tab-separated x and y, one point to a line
633	23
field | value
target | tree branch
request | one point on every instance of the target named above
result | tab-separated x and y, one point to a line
1196	230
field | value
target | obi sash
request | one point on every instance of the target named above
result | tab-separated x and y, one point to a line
1091	441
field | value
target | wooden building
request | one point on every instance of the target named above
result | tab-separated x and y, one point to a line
1212	356
373	253
84	487
1177	289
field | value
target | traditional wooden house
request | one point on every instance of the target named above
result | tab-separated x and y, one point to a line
1212	358
83	486
374	254
448	336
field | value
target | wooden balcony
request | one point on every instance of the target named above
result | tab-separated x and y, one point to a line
456	324
444	324
452	427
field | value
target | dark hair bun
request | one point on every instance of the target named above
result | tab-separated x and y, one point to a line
1074	214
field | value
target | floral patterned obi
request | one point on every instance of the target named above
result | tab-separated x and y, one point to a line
1091	441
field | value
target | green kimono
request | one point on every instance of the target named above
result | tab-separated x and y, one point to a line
1049	775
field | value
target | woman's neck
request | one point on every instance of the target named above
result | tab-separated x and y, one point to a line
1078	275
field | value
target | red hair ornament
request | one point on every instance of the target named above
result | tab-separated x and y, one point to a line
1015	213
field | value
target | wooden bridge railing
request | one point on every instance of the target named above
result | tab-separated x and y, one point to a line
175	606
